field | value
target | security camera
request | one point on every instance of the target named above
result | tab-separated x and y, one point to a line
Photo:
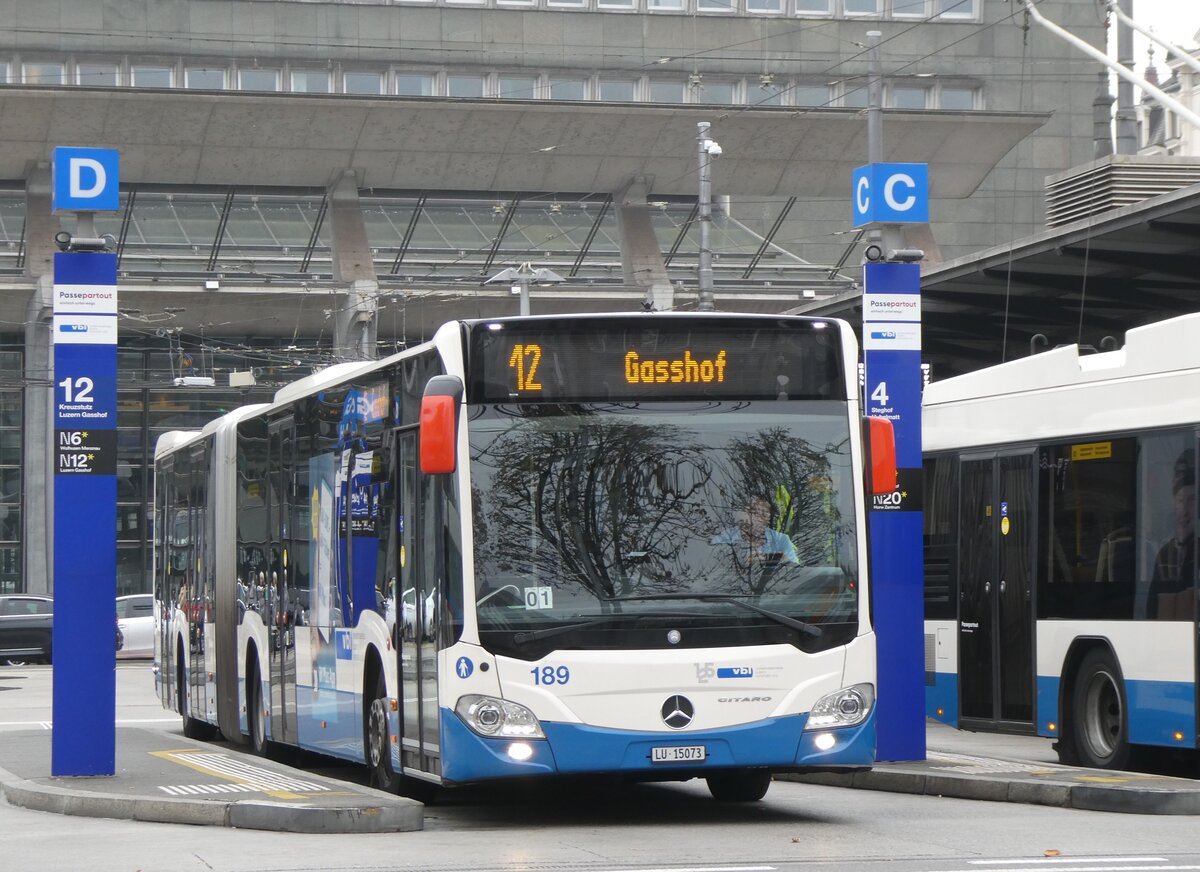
712	149
905	255
66	242
873	253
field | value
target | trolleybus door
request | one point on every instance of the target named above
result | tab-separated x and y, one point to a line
282	594
418	589
996	566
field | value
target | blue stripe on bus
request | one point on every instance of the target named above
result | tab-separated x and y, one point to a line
941	697
779	743
1047	706
1157	709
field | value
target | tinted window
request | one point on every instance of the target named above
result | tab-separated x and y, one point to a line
1087	494
1166	536
941	536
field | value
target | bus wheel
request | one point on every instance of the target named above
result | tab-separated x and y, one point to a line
378	740
254	713
748	786
1100	726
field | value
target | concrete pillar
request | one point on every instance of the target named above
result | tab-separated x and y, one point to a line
356	318
642	264
38	424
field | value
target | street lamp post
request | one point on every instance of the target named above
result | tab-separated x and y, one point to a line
707	149
520	278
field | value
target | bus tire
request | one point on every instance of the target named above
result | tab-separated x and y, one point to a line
255	722
377	740
749	785
1099	713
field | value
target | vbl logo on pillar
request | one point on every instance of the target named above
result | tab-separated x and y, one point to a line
86	180
891	194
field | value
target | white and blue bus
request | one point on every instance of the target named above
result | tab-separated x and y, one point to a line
624	544
1060	507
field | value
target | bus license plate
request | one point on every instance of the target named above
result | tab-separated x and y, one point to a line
678	754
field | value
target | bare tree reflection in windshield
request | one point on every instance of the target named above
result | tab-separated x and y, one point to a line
595	507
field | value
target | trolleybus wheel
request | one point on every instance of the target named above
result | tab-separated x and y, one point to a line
748	786
254	712
1099	714
378	740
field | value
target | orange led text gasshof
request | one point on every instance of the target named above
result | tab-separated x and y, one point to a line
679	370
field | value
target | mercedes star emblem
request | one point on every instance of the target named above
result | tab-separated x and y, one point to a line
677	712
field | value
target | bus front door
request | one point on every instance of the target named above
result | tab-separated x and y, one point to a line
419	593
996	572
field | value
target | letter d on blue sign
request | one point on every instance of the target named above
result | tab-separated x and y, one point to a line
86	180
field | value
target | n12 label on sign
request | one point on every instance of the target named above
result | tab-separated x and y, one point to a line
92	452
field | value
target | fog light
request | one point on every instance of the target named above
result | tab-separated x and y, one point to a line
520	751
824	741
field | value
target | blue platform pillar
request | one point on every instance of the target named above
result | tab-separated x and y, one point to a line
83	741
892	354
886	196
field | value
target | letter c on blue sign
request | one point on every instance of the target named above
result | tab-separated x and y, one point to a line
900	180
862	195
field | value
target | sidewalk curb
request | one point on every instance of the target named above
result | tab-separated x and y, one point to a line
402	815
1127	800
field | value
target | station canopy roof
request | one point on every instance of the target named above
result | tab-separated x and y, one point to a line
1082	283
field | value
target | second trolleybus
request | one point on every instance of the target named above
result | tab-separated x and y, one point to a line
1060	541
535	546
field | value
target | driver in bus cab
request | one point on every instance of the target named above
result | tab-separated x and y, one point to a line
1170	595
753	534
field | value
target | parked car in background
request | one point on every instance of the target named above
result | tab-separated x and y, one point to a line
135	618
26	628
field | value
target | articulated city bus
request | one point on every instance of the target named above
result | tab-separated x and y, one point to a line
1060	506
627	544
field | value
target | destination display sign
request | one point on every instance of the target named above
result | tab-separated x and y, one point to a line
652	358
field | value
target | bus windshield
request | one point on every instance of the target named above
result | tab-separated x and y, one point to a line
651	525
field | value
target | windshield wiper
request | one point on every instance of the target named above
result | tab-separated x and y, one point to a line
777	617
562	629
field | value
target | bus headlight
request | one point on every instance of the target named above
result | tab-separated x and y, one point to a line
843	708
489	716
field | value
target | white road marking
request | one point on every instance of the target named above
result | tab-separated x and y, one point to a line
244	773
1032	860
185	789
45	725
1028	865
971	764
702	869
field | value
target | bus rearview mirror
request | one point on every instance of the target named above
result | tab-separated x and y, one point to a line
882	438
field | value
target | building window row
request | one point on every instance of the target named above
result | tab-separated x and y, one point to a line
11	491
765	90
949	10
